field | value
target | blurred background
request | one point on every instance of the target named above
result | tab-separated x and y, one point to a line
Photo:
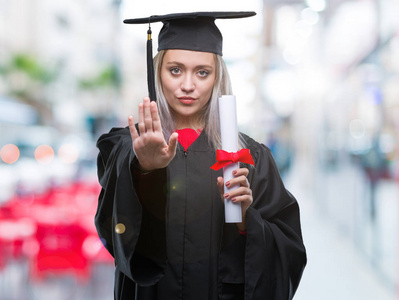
317	81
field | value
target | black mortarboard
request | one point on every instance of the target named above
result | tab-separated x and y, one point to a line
195	31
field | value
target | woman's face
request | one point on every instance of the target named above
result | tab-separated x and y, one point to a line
187	79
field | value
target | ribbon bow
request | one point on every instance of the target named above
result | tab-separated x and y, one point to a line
223	158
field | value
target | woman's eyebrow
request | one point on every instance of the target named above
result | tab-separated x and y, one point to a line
179	64
175	63
204	67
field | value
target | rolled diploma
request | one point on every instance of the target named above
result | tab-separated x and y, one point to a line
229	135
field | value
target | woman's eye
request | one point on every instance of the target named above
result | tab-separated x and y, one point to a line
175	71
203	73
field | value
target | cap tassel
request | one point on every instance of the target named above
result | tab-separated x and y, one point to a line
150	68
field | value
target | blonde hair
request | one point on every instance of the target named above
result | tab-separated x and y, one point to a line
210	114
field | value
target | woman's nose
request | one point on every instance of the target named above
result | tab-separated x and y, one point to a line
187	84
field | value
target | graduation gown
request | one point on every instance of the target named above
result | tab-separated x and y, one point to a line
167	233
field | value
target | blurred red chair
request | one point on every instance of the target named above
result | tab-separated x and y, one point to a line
54	229
60	252
13	235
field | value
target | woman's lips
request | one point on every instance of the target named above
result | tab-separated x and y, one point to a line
186	100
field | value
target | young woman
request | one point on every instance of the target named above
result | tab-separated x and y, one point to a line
160	211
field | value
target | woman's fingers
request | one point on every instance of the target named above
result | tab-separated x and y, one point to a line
141	119
147	114
149	143
132	128
242	193
238	181
149	117
241	172
156	121
220	184
172	144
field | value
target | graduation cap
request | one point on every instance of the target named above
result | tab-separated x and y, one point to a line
194	31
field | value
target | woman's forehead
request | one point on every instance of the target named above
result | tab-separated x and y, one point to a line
188	57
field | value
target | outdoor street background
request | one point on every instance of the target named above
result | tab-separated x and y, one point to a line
317	81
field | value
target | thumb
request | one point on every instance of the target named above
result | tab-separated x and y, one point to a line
173	143
220	184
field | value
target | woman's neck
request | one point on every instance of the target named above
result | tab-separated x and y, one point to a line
188	123
188	126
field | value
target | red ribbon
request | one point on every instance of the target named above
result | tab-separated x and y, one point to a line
223	158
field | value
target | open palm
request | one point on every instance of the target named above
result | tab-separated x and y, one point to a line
149	143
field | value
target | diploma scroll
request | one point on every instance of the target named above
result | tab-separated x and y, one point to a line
229	135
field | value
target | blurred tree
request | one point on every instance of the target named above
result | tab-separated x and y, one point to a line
108	77
29	65
104	88
27	80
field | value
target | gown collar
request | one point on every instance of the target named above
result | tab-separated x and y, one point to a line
190	139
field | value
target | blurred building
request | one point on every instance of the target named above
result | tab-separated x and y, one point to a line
59	81
331	75
61	58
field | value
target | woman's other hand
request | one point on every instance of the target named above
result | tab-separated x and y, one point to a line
149	143
241	194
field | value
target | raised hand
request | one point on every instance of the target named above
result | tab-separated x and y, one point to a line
149	143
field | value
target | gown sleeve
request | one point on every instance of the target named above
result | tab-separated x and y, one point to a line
275	255
130	218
